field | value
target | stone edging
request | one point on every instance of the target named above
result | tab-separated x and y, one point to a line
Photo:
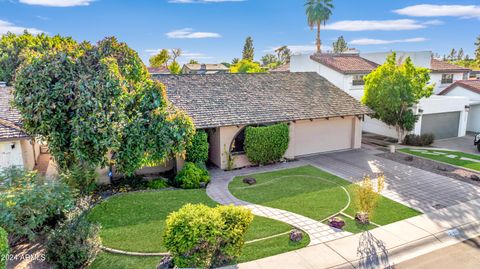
128	253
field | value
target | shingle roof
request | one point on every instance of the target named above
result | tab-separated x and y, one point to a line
345	63
472	85
438	66
281	68
9	117
236	99
158	70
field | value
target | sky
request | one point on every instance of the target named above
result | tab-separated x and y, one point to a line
211	31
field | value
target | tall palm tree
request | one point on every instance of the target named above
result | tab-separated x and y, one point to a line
318	12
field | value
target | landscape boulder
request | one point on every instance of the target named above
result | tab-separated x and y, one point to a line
336	222
296	235
249	181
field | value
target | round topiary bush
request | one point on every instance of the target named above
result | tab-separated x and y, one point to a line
197	151
4	250
266	144
192	176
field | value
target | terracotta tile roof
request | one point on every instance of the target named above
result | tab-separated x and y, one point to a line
472	85
158	70
281	68
236	99
345	63
438	66
10	123
207	67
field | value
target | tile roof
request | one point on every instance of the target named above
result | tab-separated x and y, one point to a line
158	70
472	85
345	63
438	66
209	67
236	99
281	68
9	117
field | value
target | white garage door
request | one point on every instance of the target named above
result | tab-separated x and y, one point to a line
323	135
474	119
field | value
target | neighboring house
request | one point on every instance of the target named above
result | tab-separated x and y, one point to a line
475	74
158	70
471	90
202	69
321	117
443	74
347	71
281	68
16	147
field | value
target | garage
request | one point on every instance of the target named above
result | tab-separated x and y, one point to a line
473	124
442	125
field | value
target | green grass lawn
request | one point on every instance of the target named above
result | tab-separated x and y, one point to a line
135	222
313	193
430	154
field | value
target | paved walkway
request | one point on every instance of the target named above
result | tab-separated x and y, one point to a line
464	143
217	189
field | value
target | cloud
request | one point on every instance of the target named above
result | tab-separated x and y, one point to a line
464	11
57	3
6	27
378	25
189	33
368	41
202	1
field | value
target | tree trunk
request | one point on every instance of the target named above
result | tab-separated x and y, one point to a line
319	43
400	133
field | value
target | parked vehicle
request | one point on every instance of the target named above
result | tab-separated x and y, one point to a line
476	142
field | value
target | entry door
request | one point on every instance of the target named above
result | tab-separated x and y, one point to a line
442	125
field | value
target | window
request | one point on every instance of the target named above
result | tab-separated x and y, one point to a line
358	80
447	78
238	143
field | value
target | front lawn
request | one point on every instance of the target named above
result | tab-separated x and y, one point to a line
314	193
457	158
135	222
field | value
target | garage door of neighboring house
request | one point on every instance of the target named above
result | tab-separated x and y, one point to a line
473	124
323	135
442	125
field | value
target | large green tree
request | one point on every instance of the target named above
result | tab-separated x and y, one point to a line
318	12
15	49
248	50
283	54
246	66
269	59
393	90
160	59
340	45
99	99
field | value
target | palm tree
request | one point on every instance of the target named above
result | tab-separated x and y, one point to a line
318	12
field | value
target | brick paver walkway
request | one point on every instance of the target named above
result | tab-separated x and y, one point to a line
218	191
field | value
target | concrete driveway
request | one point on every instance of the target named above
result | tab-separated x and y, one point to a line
464	144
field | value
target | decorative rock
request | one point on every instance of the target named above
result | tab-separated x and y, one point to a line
166	263
441	168
249	181
362	218
203	185
336	222
475	178
409	158
296	235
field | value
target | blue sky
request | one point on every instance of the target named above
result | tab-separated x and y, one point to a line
215	30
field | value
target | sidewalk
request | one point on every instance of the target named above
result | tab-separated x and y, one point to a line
385	246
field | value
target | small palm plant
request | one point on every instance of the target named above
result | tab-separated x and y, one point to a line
367	198
318	12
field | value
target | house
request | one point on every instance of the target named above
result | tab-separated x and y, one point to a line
321	117
200	69
471	90
443	74
16	147
347	71
158	70
281	68
475	74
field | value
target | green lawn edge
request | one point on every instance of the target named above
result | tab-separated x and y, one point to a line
443	159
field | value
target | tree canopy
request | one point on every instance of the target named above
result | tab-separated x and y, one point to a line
160	59
246	66
318	12
340	45
393	90
477	50
94	100
248	50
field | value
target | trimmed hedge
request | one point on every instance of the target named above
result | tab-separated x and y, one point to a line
197	151
419	140
4	250
192	176
198	236
266	144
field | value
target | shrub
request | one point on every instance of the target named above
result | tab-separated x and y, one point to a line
4	250
80	178
200	236
266	144
419	140
30	204
192	176
157	184
74	244
197	152
367	197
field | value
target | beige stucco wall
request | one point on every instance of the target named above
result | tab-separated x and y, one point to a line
29	153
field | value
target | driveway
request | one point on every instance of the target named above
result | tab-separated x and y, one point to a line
419	189
464	144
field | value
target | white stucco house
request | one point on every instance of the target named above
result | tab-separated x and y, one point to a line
16	147
444	116
321	117
471	90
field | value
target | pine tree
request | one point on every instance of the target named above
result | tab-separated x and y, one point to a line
248	50
460	55
340	45
477	50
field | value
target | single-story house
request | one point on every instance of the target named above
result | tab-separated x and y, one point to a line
347	71
16	147
321	117
200	69
471	90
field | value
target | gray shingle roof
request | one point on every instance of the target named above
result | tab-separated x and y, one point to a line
9	117
236	99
